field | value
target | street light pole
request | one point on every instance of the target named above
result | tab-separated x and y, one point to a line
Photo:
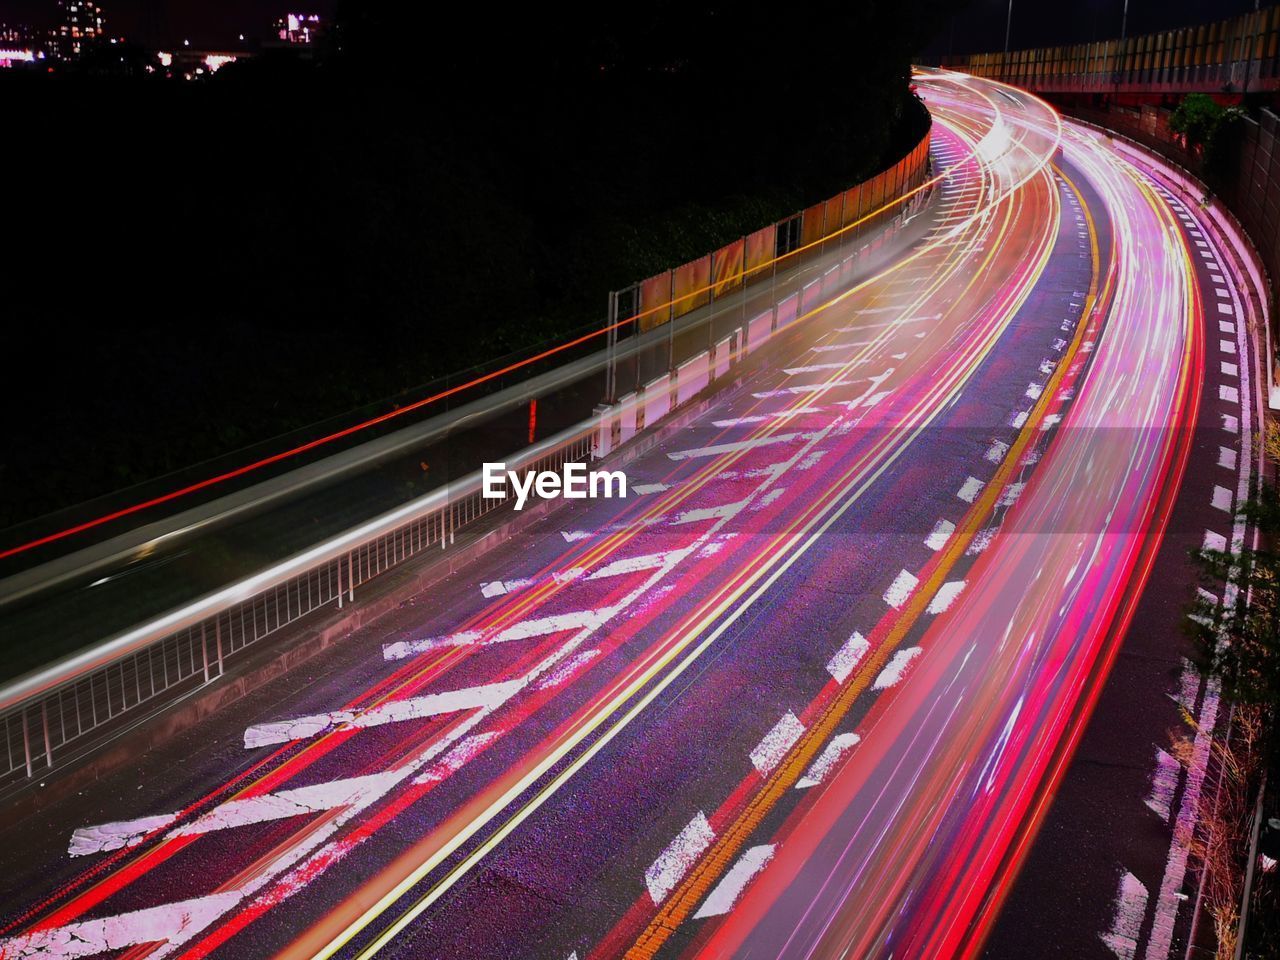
1008	22
1120	50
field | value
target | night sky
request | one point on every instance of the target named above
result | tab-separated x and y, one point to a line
206	23
978	24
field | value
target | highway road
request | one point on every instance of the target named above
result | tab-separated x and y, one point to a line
807	692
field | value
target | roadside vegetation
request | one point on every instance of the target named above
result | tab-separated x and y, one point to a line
1239	649
205	265
1209	131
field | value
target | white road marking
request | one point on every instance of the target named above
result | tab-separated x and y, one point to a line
895	668
1229	394
762	418
1230	423
996	452
237	812
739	445
844	345
769	752
296	864
1221	498
970	490
1226	458
724	512
523	630
830	756
1130	908
1214	541
1230	369
113	836
808	388
1184	828
847	657
940	534
1010	494
393	711
681	854
946	596
868	401
981	540
646	488
567	670
722	898
811	459
900	589
813	368
1164	784
648	561
1227	346
769	498
172	924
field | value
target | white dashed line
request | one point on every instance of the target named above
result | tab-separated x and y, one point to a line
941	532
848	657
769	752
830	756
946	596
1221	499
681	854
726	893
970	490
900	589
896	668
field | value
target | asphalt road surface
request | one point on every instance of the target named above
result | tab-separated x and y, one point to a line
806	692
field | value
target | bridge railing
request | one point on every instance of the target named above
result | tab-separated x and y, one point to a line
1234	55
111	684
54	716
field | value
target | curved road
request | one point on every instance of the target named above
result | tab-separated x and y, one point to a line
805	693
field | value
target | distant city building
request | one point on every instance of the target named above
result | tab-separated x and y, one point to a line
17	45
16	35
298	27
79	23
189	64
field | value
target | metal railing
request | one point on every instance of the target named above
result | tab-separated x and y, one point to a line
57	715
190	648
1234	55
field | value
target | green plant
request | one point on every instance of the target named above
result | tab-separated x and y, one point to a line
1240	643
1210	127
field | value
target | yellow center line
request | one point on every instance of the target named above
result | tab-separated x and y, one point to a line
698	881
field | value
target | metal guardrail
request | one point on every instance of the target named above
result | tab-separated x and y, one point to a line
1234	55
190	648
51	718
